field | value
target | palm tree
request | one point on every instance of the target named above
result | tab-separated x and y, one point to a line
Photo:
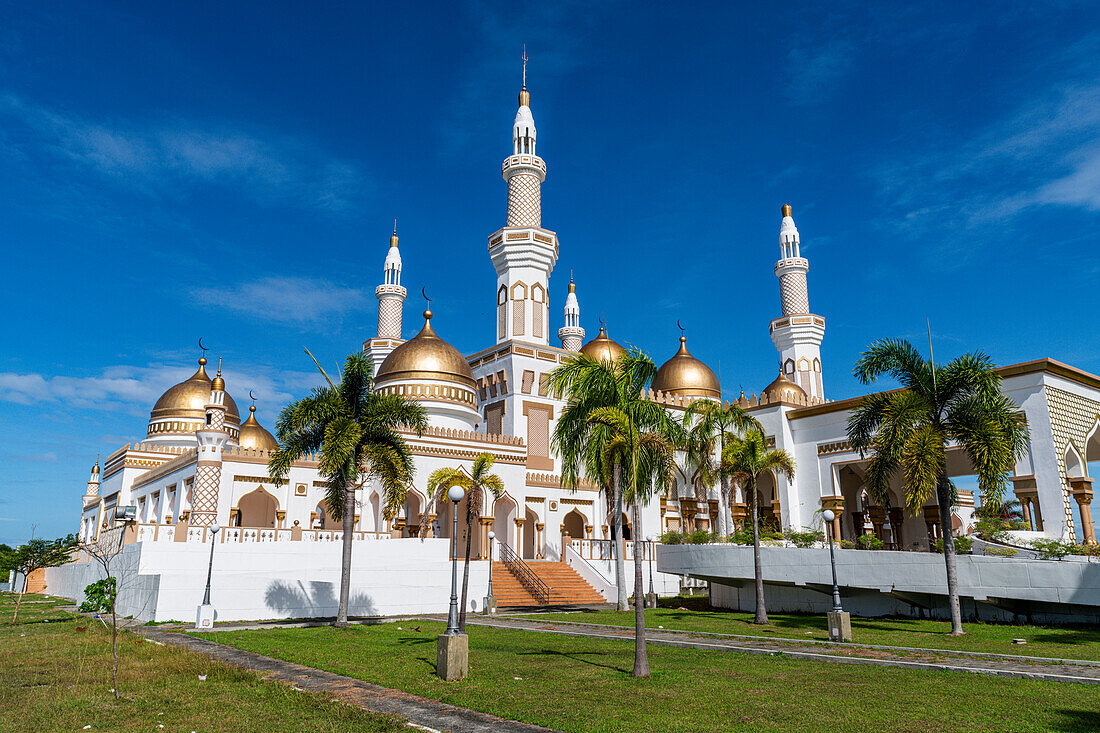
709	425
907	431
744	459
643	433
588	385
479	478
356	433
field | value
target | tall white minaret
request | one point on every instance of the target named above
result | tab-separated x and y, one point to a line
391	297
571	334
798	333
212	439
523	253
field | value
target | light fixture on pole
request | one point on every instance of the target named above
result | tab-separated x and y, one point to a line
840	622
651	550
204	618
490	604
455	494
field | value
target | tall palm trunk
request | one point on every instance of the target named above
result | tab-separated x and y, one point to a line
641	659
345	559
943	494
465	575
617	531
761	610
725	519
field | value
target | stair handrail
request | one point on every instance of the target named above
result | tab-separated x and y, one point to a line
524	574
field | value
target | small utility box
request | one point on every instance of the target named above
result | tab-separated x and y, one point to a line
204	617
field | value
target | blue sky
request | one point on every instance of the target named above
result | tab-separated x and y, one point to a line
231	171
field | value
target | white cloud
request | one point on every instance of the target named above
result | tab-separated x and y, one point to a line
293	300
270	168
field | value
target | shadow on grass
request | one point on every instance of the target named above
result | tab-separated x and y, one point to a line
1076	721
576	657
1071	635
415	639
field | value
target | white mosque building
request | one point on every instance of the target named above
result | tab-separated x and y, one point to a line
199	466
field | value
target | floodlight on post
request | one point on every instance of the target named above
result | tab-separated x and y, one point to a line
455	494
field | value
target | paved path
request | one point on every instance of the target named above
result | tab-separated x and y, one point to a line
1001	665
423	713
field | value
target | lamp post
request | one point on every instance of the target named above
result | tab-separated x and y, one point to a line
210	568
452	647
652	595
204	616
455	494
490	604
840	622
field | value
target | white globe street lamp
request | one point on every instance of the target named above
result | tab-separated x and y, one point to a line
829	516
455	494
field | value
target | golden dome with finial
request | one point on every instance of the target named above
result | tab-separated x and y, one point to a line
218	384
786	211
603	348
188	399
784	390
426	356
253	435
685	376
524	95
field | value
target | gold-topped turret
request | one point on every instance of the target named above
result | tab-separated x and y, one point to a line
786	210
218	384
393	237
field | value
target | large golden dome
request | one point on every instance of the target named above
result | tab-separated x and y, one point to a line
786	391
602	348
188	399
685	376
253	435
426	356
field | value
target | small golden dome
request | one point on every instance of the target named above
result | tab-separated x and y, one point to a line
189	398
786	211
785	391
426	356
685	376
602	348
218	384
253	435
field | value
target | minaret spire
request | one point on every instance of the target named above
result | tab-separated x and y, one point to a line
523	253
798	333
391	298
571	334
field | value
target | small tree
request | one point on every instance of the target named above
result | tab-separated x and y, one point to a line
35	555
442	480
100	596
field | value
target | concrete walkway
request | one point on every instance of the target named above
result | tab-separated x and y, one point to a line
1000	665
421	712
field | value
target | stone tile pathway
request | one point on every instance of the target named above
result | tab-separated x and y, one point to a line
421	712
1001	665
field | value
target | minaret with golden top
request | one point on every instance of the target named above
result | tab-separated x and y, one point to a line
212	438
798	332
391	299
523	253
571	334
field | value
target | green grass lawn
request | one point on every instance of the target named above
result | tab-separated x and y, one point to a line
56	678
1079	642
576	684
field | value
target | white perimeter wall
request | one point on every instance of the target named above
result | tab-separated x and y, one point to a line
253	581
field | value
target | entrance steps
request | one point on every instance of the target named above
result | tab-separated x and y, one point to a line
567	587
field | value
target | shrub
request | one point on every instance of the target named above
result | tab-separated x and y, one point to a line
804	539
700	537
847	545
992	529
1001	552
1051	549
869	542
1090	550
963	545
672	537
741	536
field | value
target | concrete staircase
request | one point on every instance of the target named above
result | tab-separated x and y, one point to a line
567	587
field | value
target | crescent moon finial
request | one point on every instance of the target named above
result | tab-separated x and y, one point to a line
603	323
424	292
201	347
679	327
252	396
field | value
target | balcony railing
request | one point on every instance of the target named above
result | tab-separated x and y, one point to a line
168	533
605	549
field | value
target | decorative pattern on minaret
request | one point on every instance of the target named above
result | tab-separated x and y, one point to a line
799	332
524	200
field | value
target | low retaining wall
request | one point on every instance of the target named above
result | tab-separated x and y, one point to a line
165	582
884	583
